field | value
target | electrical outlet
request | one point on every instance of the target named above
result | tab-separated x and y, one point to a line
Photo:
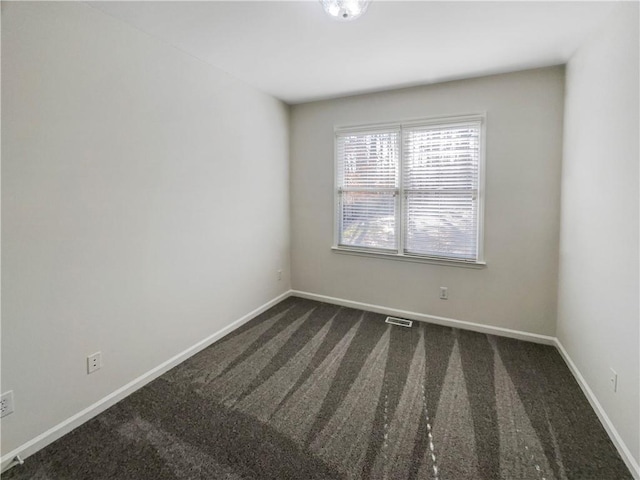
444	293
613	380
279	275
94	362
6	403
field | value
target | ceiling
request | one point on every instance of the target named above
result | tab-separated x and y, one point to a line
295	52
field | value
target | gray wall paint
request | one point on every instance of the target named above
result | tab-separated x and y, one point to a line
598	312
144	206
517	290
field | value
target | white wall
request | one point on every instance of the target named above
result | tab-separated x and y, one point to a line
517	289
145	206
598	312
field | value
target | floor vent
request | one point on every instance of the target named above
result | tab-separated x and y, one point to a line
399	321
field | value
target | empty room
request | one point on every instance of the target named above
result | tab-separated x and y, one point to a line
323	239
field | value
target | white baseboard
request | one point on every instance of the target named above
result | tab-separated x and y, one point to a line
78	419
447	322
101	405
624	452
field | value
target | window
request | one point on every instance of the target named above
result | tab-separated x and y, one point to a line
411	190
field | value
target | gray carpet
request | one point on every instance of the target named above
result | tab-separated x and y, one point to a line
313	391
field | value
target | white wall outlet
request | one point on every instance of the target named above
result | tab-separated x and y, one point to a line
6	403
444	293
613	380
94	362
279	275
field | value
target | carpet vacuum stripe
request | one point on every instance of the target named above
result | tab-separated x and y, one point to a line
308	390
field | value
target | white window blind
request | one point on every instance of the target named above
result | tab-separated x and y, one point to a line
412	190
368	182
441	167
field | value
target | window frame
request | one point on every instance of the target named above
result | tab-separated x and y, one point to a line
400	214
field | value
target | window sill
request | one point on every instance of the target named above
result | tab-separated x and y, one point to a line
409	258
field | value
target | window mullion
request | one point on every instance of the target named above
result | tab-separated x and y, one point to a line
338	214
400	200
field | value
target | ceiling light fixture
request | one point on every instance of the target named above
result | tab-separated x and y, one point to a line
345	10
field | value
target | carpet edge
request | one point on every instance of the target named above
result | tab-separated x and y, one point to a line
423	317
49	436
611	430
